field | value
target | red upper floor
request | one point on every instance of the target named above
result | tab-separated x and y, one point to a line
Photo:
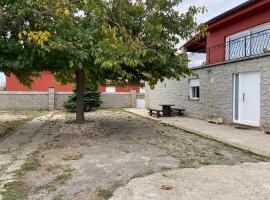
47	80
223	42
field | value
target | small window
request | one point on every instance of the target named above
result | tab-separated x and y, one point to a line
110	89
194	89
142	90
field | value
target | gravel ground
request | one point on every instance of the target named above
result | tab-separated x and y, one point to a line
90	161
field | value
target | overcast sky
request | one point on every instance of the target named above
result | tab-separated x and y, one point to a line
214	7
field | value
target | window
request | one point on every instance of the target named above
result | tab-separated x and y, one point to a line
194	89
110	89
142	90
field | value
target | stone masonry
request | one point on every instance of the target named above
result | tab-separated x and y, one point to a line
216	90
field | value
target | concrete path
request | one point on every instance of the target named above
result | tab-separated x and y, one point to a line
240	182
15	149
252	140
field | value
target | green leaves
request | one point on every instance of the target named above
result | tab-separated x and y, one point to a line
118	40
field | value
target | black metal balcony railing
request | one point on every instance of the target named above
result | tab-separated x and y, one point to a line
249	45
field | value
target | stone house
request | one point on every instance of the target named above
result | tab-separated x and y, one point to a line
231	70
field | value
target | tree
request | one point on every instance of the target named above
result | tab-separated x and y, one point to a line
92	41
91	100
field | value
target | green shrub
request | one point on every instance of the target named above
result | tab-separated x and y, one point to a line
91	100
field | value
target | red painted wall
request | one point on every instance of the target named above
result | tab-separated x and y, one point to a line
47	80
253	15
39	85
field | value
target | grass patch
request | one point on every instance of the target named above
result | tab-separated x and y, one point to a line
65	176
2	167
105	194
72	157
32	164
10	126
47	187
14	191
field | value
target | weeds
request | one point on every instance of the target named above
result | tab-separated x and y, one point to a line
48	187
65	176
32	163
14	191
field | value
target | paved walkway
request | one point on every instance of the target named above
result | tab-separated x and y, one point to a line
252	140
250	181
16	147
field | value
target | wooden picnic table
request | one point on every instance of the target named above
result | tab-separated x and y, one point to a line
166	109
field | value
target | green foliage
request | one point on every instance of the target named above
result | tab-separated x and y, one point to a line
32	163
122	41
14	191
91	100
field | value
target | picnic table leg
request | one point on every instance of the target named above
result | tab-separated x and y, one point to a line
166	111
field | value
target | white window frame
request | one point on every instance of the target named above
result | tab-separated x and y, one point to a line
111	89
246	33
194	83
142	90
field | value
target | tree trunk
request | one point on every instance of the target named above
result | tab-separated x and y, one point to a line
80	76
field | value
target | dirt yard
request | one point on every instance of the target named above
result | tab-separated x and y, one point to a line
10	121
62	160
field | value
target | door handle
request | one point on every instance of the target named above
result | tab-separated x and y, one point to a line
243	97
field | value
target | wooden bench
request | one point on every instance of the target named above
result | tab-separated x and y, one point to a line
155	112
178	111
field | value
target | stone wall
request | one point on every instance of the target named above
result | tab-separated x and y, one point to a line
24	101
116	100
216	90
54	100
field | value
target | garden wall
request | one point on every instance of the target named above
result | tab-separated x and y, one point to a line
54	100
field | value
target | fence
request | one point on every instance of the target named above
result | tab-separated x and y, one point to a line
249	45
54	100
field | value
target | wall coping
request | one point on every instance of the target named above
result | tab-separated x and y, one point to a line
112	93
59	93
22	93
231	61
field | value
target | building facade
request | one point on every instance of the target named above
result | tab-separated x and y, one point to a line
47	80
231	67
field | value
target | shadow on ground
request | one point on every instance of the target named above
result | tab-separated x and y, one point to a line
90	161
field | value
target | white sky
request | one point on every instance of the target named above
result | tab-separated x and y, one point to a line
2	78
214	7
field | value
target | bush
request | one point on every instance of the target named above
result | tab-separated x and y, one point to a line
91	100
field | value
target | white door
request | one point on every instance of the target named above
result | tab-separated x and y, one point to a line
248	96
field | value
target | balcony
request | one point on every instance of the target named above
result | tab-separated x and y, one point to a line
235	48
